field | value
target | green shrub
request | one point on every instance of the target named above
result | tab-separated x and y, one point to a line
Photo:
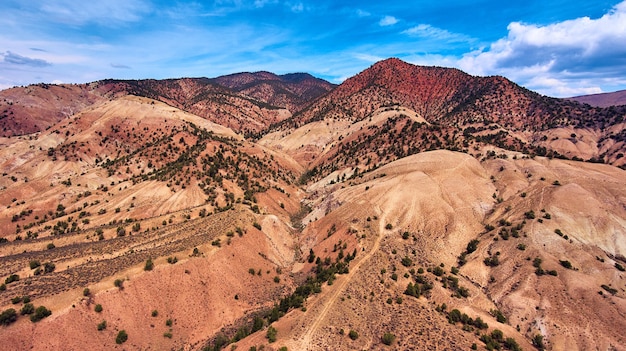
102	325
167	335
566	264
155	313
169	322
121	338
28	308
256	225
119	283
34	264
12	278
353	335
619	267
388	338
271	334
149	265
389	226
41	312
16	300
498	315
86	292
98	308
8	316
49	267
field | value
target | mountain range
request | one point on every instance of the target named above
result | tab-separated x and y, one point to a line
409	207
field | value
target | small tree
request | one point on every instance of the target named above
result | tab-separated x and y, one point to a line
119	283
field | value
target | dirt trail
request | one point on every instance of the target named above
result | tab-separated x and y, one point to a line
341	283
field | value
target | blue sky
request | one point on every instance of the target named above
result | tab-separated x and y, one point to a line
558	48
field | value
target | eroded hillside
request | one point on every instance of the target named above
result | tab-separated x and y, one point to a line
410	208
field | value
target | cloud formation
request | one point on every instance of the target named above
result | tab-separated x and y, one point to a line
388	21
15	59
108	13
561	58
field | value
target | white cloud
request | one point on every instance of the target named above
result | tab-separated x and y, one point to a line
430	32
362	13
572	56
108	12
388	21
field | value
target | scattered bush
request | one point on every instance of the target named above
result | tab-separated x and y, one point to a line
566	264
12	278
353	335
619	267
499	316
49	267
41	312
102	325
492	261
388	338
8	316
119	283
28	308
121	338
155	313
538	342
256	225
149	265
34	264
389	226
98	308
86	292
271	334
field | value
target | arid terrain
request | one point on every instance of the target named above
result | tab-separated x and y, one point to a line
409	208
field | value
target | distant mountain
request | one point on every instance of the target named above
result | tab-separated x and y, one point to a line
291	91
603	100
458	109
246	102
